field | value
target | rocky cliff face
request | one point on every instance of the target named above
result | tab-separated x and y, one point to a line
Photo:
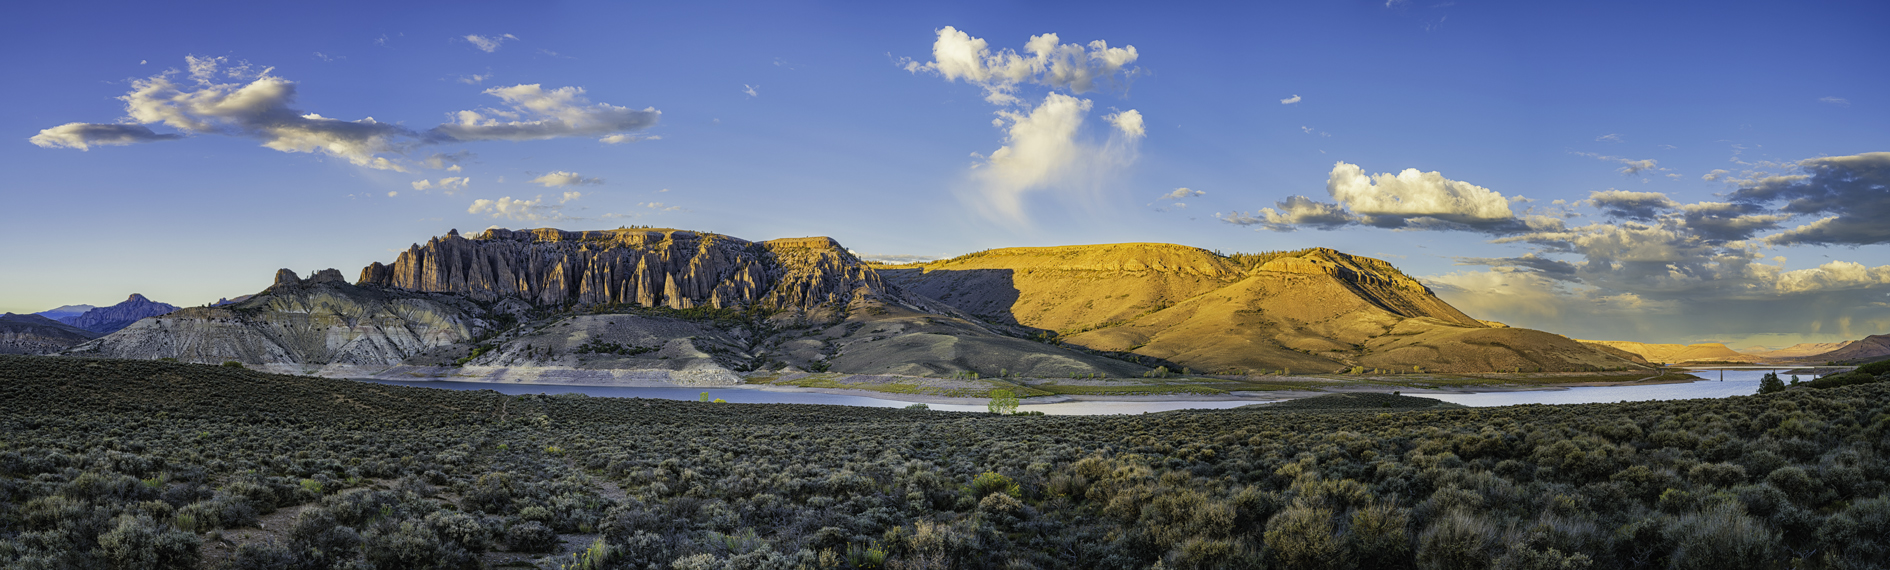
301	326
106	320
34	334
650	268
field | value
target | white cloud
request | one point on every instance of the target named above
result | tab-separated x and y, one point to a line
489	44
1042	152
1414	194
1610	137
1836	275
1839	101
392	193
1290	100
474	79
750	90
569	196
620	139
261	109
1043	147
1180	193
1631	167
537	113
1715	175
562	178
83	136
1410	199
262	106
534	210
451	185
956	55
1129	123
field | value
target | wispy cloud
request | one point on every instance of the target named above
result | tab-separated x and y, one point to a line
451	185
1290	100
489	44
562	178
1629	166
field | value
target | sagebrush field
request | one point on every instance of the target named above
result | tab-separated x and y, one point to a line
138	464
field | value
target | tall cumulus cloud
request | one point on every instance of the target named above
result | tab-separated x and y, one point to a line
1045	148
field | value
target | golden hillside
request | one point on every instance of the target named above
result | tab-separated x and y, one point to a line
1674	353
1314	310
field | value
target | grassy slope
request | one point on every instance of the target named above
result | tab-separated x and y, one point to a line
1234	315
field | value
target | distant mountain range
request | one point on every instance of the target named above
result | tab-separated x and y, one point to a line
1875	347
66	312
677	306
107	320
35	334
57	329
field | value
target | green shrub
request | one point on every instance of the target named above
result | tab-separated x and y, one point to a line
1003	402
139	543
1303	536
1720	536
530	536
988	482
1458	539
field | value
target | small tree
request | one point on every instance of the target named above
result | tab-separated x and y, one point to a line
1003	402
1770	383
705	396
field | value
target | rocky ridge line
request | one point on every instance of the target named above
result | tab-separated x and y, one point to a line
645	267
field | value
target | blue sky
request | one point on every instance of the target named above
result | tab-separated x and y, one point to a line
1566	155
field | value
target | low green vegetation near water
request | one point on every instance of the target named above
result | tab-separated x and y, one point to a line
157	465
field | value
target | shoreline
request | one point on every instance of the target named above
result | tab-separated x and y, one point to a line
1330	386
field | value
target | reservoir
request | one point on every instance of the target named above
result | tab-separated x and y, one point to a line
1736	383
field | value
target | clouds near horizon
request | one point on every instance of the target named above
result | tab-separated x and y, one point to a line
1411	199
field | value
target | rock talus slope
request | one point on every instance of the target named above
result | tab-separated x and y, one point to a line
301	326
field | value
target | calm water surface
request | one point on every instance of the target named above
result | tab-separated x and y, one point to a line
748	396
1737	383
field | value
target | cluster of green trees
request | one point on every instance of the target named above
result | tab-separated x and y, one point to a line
153	465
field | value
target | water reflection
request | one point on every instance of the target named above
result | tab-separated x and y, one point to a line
1736	383
750	396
